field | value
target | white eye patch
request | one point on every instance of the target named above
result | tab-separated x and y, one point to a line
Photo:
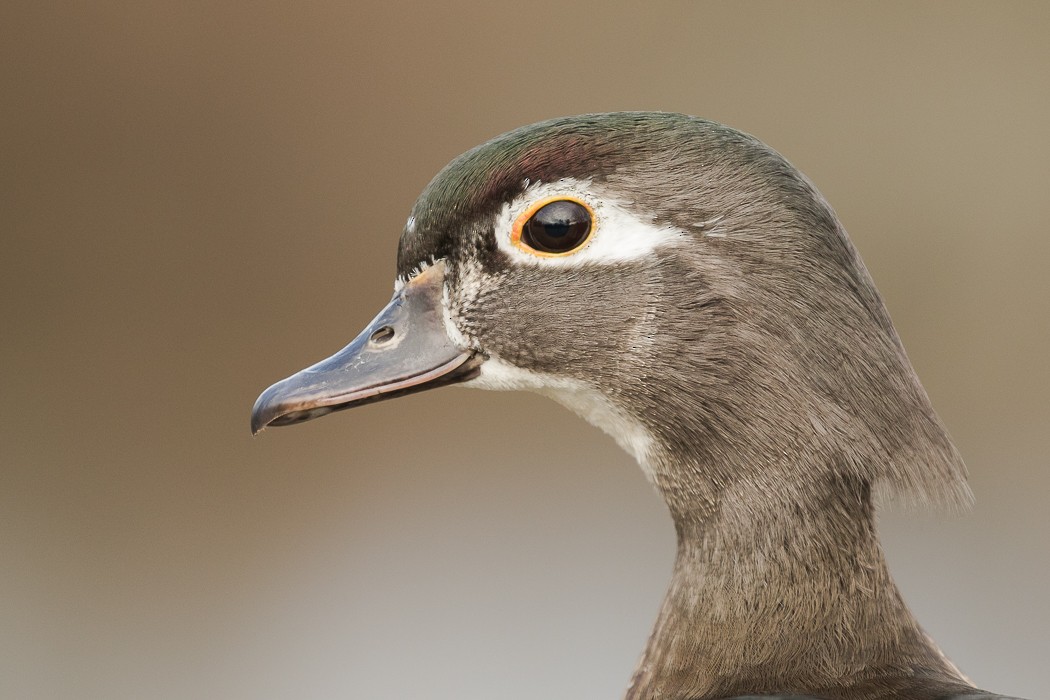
617	234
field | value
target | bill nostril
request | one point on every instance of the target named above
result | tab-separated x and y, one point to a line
383	335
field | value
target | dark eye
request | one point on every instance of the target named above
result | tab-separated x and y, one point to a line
558	227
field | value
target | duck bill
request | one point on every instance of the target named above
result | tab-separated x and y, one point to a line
405	349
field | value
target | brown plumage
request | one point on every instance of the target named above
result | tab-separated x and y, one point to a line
753	355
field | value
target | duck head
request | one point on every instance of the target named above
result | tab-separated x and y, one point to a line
675	282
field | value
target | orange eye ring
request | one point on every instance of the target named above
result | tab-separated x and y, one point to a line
526	216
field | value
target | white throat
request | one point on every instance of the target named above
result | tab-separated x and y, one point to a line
579	397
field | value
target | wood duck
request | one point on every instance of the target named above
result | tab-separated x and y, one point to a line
683	287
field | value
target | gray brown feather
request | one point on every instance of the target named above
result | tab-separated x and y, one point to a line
760	357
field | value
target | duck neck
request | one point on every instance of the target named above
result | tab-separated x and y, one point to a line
773	592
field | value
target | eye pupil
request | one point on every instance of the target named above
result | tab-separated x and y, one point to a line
557	227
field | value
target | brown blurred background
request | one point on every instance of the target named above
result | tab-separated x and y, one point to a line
197	199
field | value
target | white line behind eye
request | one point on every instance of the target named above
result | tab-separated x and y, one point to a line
619	235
